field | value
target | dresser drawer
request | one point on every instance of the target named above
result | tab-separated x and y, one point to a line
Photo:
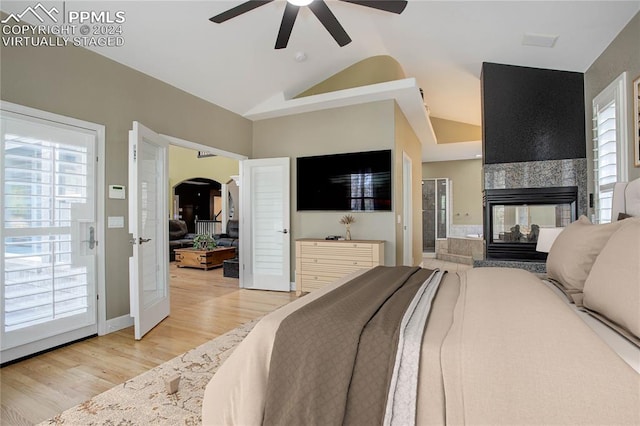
335	271
337	252
310	261
314	282
335	245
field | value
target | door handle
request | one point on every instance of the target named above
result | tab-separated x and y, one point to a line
140	240
92	238
284	231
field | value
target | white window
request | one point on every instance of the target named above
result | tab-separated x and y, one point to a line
609	145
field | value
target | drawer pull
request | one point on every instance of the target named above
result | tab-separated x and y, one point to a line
315	278
315	260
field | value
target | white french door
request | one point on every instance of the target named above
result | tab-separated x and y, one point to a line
264	226
148	216
49	230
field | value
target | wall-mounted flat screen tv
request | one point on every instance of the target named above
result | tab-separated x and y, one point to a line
359	181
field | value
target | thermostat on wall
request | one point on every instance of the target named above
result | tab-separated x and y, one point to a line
117	192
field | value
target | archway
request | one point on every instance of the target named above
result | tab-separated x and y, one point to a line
198	199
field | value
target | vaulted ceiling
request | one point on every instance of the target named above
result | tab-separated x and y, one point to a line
442	44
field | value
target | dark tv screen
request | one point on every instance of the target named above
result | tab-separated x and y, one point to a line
359	181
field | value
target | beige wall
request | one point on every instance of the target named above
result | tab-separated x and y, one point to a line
449	131
407	142
376	69
466	178
78	83
623	54
184	165
367	127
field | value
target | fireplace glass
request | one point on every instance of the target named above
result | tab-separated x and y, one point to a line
522	223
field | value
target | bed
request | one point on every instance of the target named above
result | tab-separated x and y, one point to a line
401	345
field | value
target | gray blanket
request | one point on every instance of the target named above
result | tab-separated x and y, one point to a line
332	360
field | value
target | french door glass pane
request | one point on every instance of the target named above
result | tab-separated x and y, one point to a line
47	195
150	198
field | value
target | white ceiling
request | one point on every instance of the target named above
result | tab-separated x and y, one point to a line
441	44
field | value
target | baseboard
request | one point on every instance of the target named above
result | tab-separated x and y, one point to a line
118	323
45	344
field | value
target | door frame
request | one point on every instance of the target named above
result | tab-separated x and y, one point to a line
99	129
199	147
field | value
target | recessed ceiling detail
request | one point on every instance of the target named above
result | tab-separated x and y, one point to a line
319	9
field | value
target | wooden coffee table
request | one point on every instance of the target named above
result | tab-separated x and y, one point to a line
203	259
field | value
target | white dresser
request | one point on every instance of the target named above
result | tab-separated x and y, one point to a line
319	262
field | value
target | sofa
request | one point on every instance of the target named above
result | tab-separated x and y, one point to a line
179	237
229	238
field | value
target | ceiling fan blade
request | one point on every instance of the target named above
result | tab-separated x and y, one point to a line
393	6
328	19
286	26
238	10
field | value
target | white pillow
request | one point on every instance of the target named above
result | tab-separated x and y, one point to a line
574	251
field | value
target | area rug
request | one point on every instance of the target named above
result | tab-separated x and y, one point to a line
143	400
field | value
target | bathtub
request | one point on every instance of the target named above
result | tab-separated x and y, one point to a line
471	245
472	236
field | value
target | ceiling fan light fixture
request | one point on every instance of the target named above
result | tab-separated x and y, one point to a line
300	2
318	7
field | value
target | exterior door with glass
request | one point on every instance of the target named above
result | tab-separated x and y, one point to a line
49	230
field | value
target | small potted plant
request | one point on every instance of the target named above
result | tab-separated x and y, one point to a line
347	220
204	242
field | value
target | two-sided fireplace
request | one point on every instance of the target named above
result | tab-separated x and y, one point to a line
513	218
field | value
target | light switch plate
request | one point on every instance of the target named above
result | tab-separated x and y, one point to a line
115	222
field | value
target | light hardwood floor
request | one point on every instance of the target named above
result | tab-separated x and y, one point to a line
204	305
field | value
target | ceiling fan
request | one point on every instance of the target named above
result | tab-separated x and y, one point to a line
318	7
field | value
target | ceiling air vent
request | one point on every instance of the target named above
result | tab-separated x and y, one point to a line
539	40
